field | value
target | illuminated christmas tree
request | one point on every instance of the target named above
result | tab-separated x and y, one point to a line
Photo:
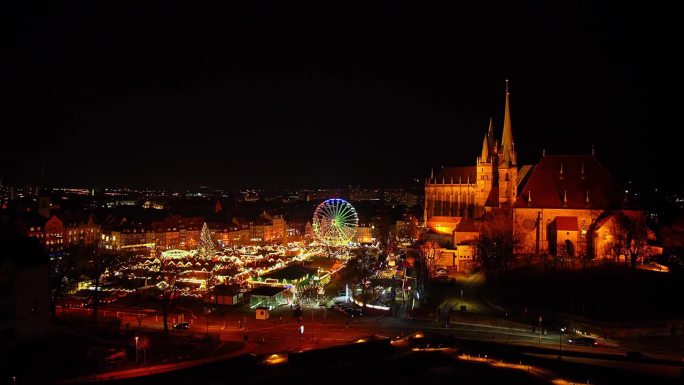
205	247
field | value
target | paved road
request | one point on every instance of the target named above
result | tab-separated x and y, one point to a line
331	328
273	336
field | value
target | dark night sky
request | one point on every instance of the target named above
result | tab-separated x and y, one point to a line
293	93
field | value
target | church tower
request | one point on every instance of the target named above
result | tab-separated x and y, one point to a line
508	170
485	171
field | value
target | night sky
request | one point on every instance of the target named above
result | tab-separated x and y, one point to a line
330	93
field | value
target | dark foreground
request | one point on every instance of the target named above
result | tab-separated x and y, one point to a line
431	359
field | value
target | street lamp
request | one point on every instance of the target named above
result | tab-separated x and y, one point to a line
560	342
540	331
301	333
136	350
207	311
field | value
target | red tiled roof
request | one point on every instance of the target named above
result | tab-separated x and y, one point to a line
548	189
567	223
177	223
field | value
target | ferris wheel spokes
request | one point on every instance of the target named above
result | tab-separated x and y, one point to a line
335	222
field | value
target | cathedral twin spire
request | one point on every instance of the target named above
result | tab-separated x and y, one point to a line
507	156
507	144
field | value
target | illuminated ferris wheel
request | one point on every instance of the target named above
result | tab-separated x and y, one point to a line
335	222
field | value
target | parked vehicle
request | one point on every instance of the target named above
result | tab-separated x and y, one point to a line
182	326
353	312
583	341
115	355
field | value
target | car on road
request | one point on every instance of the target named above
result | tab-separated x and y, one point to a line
182	326
353	312
583	341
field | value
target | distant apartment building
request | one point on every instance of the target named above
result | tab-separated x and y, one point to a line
265	229
177	232
54	234
81	229
60	231
135	234
110	232
223	233
279	229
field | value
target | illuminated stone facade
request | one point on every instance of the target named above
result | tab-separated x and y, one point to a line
563	205
568	206
469	192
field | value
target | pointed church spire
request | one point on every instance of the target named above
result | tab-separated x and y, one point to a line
432	174
507	139
529	198
490	131
485	150
565	198
452	179
582	175
561	171
490	136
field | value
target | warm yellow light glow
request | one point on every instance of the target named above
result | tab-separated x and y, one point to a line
275	359
429	349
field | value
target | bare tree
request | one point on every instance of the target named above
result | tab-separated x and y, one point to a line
496	243
619	238
428	254
630	237
362	268
65	270
168	289
423	266
636	238
102	263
